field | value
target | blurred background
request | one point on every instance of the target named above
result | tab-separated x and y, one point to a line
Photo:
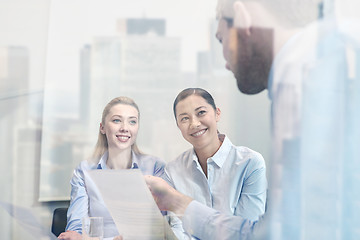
62	61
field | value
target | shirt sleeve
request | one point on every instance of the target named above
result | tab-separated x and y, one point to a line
78	203
253	194
159	168
174	221
176	226
203	222
166	176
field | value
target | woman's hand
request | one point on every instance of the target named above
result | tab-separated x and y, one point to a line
70	235
165	196
118	238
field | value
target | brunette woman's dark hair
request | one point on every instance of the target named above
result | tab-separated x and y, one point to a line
194	91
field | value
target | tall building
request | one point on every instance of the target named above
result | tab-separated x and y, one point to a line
140	64
14	105
217	58
204	65
141	26
14	71
85	81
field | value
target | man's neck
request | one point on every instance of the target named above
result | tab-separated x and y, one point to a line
281	37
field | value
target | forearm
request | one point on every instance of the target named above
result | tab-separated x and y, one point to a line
78	205
252	201
166	197
179	202
206	223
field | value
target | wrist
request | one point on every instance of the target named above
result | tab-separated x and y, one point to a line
180	203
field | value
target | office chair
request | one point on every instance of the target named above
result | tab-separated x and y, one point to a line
59	221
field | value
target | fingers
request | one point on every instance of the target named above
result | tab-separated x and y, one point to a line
152	182
148	181
148	178
70	235
62	235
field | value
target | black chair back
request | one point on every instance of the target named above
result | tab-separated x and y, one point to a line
59	221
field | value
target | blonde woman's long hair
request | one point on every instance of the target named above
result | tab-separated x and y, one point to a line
102	145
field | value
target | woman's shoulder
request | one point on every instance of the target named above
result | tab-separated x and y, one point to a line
242	151
251	155
86	165
83	166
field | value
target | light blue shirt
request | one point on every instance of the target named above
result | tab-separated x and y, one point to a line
236	184
86	199
314	87
208	223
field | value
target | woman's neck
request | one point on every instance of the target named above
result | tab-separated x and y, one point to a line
119	159
204	153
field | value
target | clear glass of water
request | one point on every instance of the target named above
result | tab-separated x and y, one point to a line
92	228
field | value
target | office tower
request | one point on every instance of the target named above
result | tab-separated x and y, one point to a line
65	140
141	26
217	58
14	82
85	83
14	105
144	26
150	60
133	64
14	70
140	62
204	65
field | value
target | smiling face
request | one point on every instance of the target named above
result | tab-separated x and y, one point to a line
120	127
197	121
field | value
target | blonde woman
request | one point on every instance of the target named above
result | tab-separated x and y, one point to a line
115	149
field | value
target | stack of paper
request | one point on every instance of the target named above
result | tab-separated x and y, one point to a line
131	204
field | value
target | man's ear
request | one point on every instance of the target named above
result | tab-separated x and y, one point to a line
242	18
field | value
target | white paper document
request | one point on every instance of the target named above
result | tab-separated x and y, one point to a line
131	204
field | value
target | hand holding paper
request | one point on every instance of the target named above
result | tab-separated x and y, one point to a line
166	197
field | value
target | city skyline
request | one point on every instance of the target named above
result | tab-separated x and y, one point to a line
142	63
